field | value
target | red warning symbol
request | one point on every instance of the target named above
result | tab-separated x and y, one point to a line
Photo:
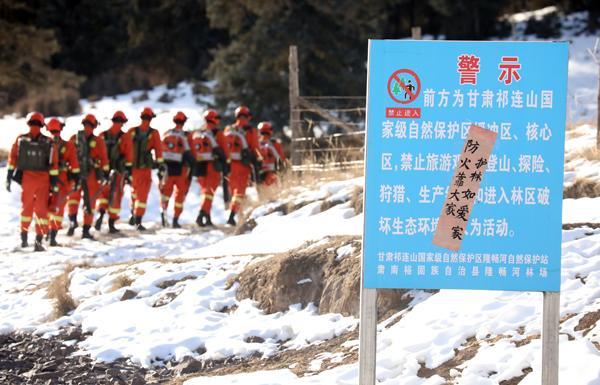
404	86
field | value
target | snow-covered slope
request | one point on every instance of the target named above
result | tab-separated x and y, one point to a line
167	295
132	104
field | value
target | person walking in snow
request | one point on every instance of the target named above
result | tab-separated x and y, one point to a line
94	170
68	177
119	149
212	159
272	154
242	140
34	165
179	160
145	141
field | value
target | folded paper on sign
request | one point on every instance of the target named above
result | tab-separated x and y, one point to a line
463	188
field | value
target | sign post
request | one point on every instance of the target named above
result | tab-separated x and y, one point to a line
464	160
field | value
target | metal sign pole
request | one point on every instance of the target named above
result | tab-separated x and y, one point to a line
550	329
368	336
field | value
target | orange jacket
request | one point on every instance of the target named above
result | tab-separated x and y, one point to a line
174	144
124	145
153	143
272	153
239	138
14	154
67	155
97	156
205	141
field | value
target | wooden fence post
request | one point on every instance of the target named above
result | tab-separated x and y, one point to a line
416	33
294	86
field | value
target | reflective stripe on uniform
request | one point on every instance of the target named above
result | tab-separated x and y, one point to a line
208	197
205	156
165	198
25	219
101	201
56	218
113	210
105	168
173	156
178	205
141	205
54	172
159	160
41	221
11	166
75	170
72	202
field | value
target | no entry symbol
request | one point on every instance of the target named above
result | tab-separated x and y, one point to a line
404	86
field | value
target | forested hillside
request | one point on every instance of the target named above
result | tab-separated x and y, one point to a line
55	52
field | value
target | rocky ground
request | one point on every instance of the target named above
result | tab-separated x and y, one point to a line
29	359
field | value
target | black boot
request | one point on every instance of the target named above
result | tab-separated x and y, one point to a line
86	233
206	219
52	235
231	220
37	246
111	226
138	224
24	239
163	219
98	224
200	219
176	224
131	220
72	225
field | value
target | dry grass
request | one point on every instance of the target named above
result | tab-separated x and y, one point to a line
590	153
582	188
574	134
356	200
3	155
121	281
58	291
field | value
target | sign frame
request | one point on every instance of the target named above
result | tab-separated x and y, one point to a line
368	301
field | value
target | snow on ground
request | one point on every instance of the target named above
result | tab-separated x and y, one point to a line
181	304
184	100
434	328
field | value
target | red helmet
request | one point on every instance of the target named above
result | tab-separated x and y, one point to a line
179	118
119	117
242	111
54	125
265	128
211	116
35	119
91	120
147	114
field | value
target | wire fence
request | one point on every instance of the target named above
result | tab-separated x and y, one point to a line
330	133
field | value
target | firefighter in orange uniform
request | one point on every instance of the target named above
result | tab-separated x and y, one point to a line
33	164
67	178
93	163
242	140
272	155
212	159
178	159
119	149
145	139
